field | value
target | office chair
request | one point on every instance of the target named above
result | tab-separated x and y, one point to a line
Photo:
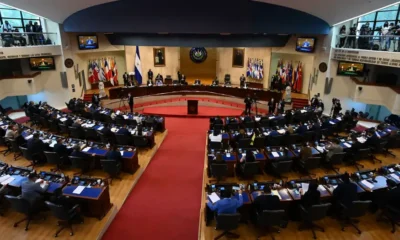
9	147
44	123
120	121
124	140
79	163
264	123
107	119
249	169
3	143
391	143
309	136
259	142
251	124
360	155
54	158
90	134
76	132
34	158
336	159
140	141
280	167
392	214
227	223
219	171
268	219
53	126
64	129
22	206
103	138
276	140
215	145
35	120
65	216
244	143
227	79
356	210
314	213
112	168
233	126
378	149
98	117
218	126
309	164
291	139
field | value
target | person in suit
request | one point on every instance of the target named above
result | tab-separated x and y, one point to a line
130	101
11	133
20	140
356	145
246	158
305	152
392	196
217	120
31	37
130	84
241	135
227	204
311	197
126	78
346	192
179	76
271	106
32	109
114	154
247	102
32	191
77	153
301	129
106	131
61	149
333	148
266	201
150	74
124	131
372	139
288	117
316	127
77	124
95	100
242	81
36	147
281	108
274	132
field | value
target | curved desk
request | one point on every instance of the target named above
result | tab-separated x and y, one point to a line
263	95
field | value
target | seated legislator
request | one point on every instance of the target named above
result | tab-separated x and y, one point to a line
95	100
124	131
274	132
106	131
61	149
301	129
356	145
345	192
246	158
159	82
197	82
215	82
288	117
227	204
333	148
77	124
311	197
114	154
218	158
305	152
216	136
77	153
392	196
36	147
32	191
217	120
266	201
11	133
241	135
137	118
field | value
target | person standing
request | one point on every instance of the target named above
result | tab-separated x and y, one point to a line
271	106
130	101
352	38
247	102
150	74
242	81
39	37
31	36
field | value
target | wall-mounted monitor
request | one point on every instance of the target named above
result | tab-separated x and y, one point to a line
351	69
42	63
87	42
305	45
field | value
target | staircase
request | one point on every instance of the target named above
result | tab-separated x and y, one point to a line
299	103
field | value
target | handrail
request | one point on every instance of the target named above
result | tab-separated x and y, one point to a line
21	76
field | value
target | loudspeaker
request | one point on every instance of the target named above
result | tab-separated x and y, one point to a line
29	80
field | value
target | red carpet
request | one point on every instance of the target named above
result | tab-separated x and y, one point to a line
165	203
203	111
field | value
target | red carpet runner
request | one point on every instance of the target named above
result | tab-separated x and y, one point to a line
165	203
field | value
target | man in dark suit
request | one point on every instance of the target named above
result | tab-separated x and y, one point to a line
316	127
218	120
266	201
36	147
356	145
301	129
150	74
124	131
392	196
61	149
271	106
345	192
106	131
32	109
77	124
95	100
274	132
126	78
31	37
130	101
311	197
114	154
77	153
242	80
248	103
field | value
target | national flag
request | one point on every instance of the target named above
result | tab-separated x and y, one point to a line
248	67
107	72
90	71
138	67
262	70
96	71
102	75
115	71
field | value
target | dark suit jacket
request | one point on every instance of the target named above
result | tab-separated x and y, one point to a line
393	197
114	155
301	130
80	154
218	121
273	133
130	100
60	149
35	146
310	198
346	193
106	132
267	202
124	131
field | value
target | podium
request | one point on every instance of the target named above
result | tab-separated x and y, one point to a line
192	106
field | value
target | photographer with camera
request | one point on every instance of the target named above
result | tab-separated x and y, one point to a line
336	107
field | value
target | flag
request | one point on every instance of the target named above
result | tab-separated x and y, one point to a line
115	72
262	70
102	75
138	67
248	67
107	71
90	70
96	71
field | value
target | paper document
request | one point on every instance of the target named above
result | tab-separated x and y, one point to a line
86	149
391	170
361	139
52	143
89	105
347	145
63	119
114	129
271	117
213	197
100	128
118	112
255	152
339	118
276	193
46	140
275	154
331	122
257	119
8	180
303	111
228	155
395	176
29	137
58	116
78	190
266	133
43	184
3	178
321	188
367	184
125	117
334	186
304	186
122	153
281	131
1	123
319	148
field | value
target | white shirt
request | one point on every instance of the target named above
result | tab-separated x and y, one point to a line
217	138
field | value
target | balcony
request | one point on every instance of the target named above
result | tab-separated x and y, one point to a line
29	44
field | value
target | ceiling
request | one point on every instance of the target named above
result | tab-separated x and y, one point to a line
332	11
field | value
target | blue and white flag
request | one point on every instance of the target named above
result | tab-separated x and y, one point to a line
138	67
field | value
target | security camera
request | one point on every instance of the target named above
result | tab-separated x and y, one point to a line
29	80
359	88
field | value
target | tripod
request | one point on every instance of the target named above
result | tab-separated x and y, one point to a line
255	103
122	103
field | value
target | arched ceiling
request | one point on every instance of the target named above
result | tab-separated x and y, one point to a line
331	11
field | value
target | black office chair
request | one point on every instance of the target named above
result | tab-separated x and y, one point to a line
314	213
227	223
276	140
53	126
124	140
361	154
215	145
378	149
249	169
112	168
90	134
141	142
336	159
54	158
15	149
65	216
391	143
8	150
219	171
98	117
227	79
218	126
244	143
76	132
79	163
268	219
233	126
120	121
309	136
291	139
107	119
3	142
251	124
64	129
356	210
103	138
22	206
281	167
44	123
34	158
309	164
259	142
391	213
35	120
264	123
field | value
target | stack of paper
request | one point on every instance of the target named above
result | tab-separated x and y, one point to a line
29	137
272	117
125	117
257	119
321	188
361	139
275	154
347	145
304	186
303	111
43	184
276	193
118	112
395	176
367	184
86	149
333	123
63	119
255	152
391	170
78	190
228	154
100	128
213	197
281	131
319	148
122	153
339	118
266	133
4	180
114	129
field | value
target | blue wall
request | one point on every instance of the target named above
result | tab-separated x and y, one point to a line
196	17
14	102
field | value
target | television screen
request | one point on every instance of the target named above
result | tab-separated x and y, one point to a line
42	63
305	45
350	69
88	42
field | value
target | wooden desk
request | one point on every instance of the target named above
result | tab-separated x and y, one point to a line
130	162
283	192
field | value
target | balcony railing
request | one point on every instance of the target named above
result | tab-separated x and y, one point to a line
389	43
22	39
